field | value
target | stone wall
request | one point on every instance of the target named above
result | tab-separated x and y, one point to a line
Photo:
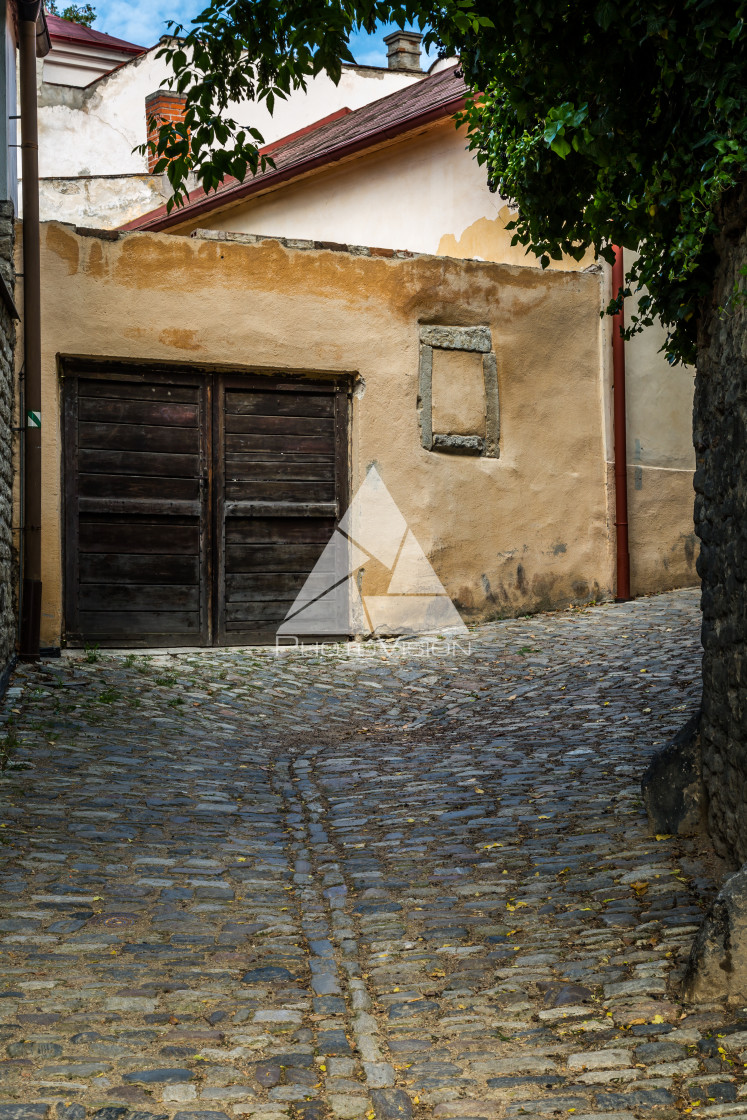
8	573
720	436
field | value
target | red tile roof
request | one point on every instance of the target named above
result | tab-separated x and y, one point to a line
65	31
332	139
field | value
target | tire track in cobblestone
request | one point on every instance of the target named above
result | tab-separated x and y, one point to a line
349	1097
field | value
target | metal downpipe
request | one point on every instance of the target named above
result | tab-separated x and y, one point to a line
622	594
31	585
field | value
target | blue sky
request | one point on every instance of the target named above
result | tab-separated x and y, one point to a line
142	21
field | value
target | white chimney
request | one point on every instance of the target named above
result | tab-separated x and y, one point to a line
403	50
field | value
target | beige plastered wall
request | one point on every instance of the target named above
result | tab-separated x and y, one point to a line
96	130
661	463
526	531
426	193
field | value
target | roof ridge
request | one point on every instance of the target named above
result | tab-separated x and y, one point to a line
434	97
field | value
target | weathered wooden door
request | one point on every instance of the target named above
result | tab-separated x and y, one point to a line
283	460
137	555
195	504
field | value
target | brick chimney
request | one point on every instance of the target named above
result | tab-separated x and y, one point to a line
403	50
166	106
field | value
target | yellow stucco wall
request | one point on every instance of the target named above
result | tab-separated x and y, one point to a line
661	462
661	533
423	192
426	193
521	532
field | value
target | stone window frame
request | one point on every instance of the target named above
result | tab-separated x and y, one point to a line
471	339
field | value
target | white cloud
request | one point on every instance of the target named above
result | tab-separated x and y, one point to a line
142	21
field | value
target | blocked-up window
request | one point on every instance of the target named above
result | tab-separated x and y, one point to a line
458	398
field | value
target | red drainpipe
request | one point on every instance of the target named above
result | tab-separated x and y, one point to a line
621	457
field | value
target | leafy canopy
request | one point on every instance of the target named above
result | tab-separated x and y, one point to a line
608	122
76	13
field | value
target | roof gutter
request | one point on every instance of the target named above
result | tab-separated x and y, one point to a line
32	11
272	179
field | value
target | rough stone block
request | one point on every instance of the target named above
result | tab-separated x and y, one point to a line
391	1104
717	967
24	1111
672	785
201	1115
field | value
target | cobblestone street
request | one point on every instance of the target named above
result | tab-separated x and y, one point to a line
411	883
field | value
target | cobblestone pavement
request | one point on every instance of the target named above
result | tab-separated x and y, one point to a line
411	883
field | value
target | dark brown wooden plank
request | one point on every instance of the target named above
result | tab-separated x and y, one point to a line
71	512
295	445
272	558
138	390
294	458
140	507
123	624
126	597
279	404
209	473
266	633
260	490
135	537
281	425
161	464
160	413
343	399
146	641
103	369
106	567
242	587
138	486
286	530
250	634
217	520
301	468
258	610
138	437
265	509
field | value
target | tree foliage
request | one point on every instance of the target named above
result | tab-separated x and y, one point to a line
602	123
84	14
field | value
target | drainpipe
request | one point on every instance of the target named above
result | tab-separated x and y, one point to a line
32	26
620	428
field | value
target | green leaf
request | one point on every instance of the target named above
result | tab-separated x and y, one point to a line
561	147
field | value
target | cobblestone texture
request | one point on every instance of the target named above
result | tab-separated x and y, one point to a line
392	886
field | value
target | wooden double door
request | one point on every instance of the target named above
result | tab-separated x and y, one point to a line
196	504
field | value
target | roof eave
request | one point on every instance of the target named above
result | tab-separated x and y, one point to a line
93	45
272	179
